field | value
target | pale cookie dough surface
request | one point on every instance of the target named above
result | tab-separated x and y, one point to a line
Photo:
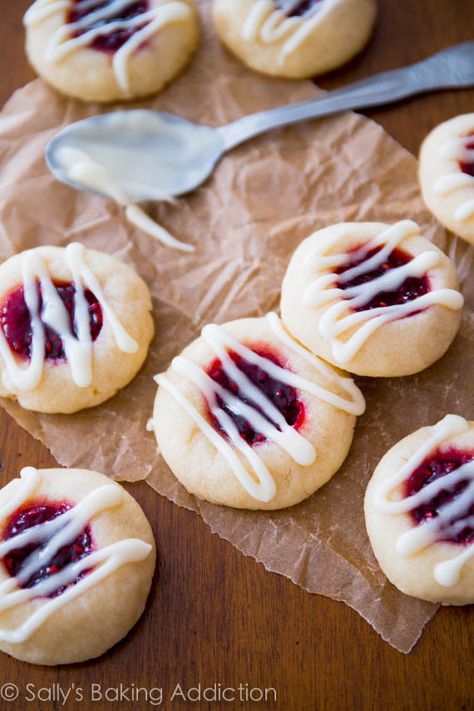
400	347
112	369
414	574
447	191
91	75
87	626
204	471
260	34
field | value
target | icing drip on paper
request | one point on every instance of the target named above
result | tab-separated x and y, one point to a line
268	24
346	306
53	314
452	516
254	405
98	20
53	535
461	150
81	168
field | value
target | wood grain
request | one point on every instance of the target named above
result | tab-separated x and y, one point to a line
215	616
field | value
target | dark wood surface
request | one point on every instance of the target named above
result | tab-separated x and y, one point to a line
215	616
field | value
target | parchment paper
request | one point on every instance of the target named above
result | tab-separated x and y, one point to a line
264	198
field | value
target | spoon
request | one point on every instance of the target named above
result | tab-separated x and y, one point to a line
148	155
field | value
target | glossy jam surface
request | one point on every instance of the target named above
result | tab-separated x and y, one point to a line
15	321
284	397
298	8
109	41
33	514
411	289
468	167
441	464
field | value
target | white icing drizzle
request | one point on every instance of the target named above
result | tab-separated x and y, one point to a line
355	405
269	24
339	317
259	484
453	516
78	349
456	149
27	485
81	168
58	532
150	425
63	42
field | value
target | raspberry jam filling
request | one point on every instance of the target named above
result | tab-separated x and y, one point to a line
15	321
412	287
109	41
297	8
468	167
34	514
284	397
437	465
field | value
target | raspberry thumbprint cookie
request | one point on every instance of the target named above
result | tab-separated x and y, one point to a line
294	38
375	299
107	50
77	557
75	326
447	174
247	417
419	512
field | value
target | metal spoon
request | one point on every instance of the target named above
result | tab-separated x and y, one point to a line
154	155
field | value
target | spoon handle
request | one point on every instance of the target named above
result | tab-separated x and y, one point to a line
453	67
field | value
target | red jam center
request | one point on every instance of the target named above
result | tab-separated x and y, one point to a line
284	397
15	321
297	8
468	167
437	465
412	287
109	41
32	515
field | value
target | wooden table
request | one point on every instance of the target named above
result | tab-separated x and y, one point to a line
214	615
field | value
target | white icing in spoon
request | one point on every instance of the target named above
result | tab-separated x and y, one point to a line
456	149
79	167
78	348
269	24
57	533
341	304
452	517
103	21
272	425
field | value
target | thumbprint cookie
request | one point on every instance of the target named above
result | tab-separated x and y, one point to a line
375	299
294	38
107	50
248	418
447	174
77	557
419	512
75	326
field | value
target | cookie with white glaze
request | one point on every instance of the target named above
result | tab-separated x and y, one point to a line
109	50
77	557
248	418
75	326
294	38
419	512
447	174
375	299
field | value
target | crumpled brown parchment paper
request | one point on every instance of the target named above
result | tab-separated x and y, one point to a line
263	199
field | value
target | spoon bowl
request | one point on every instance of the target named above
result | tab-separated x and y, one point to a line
151	155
